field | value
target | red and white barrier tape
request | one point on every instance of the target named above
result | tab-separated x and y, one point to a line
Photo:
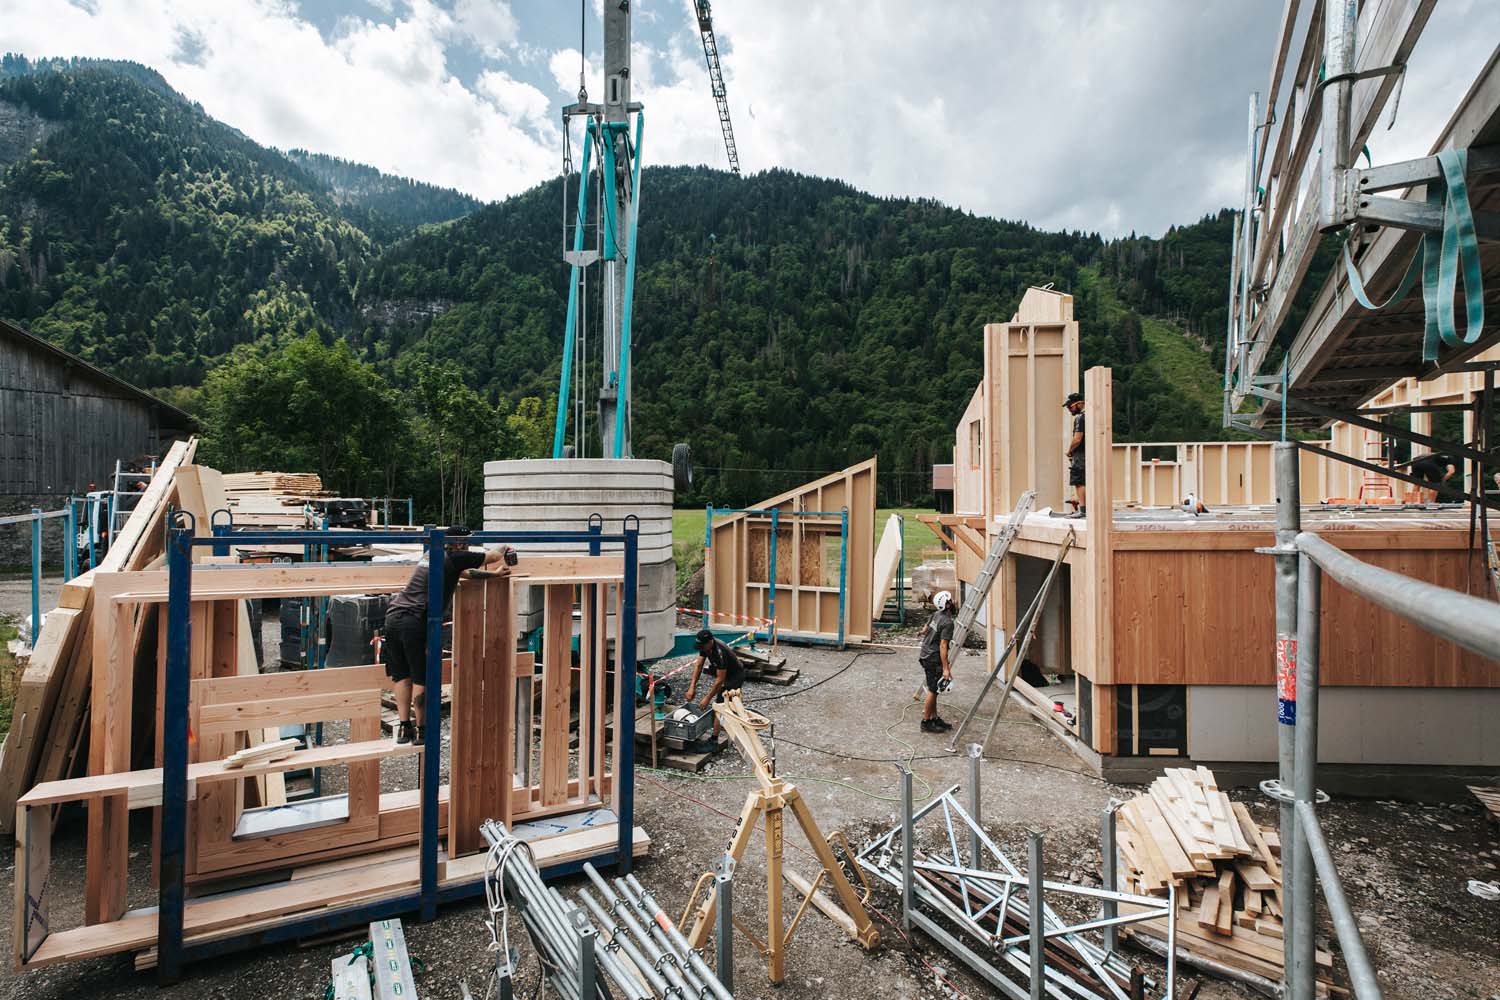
726	614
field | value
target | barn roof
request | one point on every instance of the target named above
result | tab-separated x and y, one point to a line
168	415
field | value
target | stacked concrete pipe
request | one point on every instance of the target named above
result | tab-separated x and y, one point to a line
559	495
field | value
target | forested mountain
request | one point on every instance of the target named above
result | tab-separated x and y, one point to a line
395	204
150	239
782	322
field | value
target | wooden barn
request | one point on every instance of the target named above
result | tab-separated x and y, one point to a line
63	425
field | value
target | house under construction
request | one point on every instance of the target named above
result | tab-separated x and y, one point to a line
1162	621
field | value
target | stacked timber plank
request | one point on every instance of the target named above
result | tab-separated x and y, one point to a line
48	736
1185	832
271	499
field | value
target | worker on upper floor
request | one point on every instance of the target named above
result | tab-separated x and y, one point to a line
1434	470
404	645
1074	405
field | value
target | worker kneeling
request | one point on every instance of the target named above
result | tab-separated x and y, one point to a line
729	674
933	656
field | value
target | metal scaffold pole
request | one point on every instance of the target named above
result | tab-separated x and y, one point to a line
1288	523
1303	904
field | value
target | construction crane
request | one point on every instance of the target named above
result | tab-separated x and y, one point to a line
613	131
716	80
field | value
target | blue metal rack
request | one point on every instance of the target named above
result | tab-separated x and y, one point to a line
172	951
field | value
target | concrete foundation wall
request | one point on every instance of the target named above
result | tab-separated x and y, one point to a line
1433	726
15	539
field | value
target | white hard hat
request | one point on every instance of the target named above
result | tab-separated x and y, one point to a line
942	599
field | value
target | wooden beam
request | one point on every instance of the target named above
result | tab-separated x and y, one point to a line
1095	583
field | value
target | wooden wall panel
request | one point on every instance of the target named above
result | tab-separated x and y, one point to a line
968	464
1208	617
1095	593
807	559
1220	473
1029	369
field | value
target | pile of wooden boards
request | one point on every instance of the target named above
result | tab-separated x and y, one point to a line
271	499
49	735
1185	832
760	665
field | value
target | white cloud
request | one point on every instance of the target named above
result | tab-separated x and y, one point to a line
489	24
1065	113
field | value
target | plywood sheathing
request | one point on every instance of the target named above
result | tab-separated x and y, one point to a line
737	563
1030	366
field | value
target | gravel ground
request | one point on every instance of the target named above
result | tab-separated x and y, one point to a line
1405	867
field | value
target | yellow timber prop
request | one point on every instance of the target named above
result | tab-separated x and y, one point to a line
769	801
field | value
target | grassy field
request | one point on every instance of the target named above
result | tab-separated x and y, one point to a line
687	536
10	675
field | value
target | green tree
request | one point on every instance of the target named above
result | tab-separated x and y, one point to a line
530	430
303	406
457	430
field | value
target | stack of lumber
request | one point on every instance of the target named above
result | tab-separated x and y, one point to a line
760	665
262	753
1186	833
48	738
271	499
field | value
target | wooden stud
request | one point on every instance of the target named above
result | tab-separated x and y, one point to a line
557	678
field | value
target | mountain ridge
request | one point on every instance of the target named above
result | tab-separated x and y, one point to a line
784	321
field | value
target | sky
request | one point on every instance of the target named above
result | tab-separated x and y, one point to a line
1110	116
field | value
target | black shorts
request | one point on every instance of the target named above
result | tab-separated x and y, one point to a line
933	668
1075	474
405	649
734	681
1432	477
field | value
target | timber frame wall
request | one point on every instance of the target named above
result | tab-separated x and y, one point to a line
502	767
817	578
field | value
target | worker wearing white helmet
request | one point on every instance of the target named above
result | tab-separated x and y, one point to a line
933	656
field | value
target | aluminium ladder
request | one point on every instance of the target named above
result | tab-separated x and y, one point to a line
119	510
974	599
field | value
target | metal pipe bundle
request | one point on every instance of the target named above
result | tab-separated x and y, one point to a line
640	949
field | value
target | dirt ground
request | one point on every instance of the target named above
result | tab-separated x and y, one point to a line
1405	867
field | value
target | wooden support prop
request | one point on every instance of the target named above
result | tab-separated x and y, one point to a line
770	802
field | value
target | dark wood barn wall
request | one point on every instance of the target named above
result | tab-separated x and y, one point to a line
61	428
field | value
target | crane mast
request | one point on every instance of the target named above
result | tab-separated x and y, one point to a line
607	129
716	80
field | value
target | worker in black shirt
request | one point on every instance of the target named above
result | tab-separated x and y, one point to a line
405	647
729	674
1434	470
1075	455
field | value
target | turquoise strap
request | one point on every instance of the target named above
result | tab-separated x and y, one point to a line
1457	246
1438	259
1357	285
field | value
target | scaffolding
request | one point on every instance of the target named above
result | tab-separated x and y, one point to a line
1006	929
1302	559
